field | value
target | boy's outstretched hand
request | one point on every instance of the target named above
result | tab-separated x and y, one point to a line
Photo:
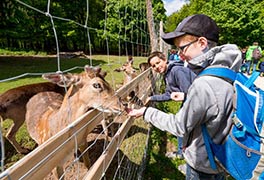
136	112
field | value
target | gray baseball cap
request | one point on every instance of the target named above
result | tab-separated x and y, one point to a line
199	25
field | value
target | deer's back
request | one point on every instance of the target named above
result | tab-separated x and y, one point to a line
18	97
39	110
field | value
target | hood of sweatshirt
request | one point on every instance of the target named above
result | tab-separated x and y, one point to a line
228	55
171	65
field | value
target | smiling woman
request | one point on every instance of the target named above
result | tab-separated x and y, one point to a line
172	6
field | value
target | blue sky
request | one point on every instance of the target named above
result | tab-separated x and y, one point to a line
173	5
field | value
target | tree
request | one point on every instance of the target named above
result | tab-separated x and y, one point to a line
151	26
240	22
79	25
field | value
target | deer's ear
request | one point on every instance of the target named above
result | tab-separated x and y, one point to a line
61	80
68	80
52	77
87	68
97	70
103	74
89	71
92	71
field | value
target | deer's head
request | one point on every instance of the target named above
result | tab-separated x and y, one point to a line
99	92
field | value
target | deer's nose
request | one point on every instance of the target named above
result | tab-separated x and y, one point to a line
125	104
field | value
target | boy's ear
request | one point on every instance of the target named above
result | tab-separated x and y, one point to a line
203	42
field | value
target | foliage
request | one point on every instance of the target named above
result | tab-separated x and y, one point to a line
126	23
77	28
159	166
19	52
158	11
240	22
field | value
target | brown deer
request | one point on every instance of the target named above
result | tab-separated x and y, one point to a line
13	106
48	112
78	81
144	66
13	102
130	73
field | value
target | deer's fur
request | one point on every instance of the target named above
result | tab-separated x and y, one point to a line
46	117
143	66
130	73
13	106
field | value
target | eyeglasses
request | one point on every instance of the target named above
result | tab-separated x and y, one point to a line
181	48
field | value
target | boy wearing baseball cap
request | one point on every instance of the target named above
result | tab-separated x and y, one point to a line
209	99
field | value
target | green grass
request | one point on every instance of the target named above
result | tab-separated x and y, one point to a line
11	66
159	166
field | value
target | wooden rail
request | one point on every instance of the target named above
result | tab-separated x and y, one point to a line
41	161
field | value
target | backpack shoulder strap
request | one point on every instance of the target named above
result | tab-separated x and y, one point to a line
207	142
220	72
230	76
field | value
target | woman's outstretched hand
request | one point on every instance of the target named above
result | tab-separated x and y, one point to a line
177	96
136	112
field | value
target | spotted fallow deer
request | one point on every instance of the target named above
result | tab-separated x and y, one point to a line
13	106
13	101
48	112
78	80
130	73
143	66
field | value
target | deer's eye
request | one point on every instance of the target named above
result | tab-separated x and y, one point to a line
97	85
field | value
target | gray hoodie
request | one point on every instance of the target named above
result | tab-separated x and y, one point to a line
209	100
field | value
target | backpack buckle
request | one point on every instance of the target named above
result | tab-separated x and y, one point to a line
236	121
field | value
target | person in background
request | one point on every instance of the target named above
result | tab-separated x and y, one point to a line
244	65
261	68
177	79
209	99
244	51
251	59
172	53
256	56
174	56
177	58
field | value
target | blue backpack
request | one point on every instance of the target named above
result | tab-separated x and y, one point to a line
242	152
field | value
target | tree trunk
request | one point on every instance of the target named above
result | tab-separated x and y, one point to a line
151	26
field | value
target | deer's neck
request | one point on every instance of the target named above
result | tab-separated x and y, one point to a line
73	106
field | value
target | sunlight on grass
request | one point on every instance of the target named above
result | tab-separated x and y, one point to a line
135	143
